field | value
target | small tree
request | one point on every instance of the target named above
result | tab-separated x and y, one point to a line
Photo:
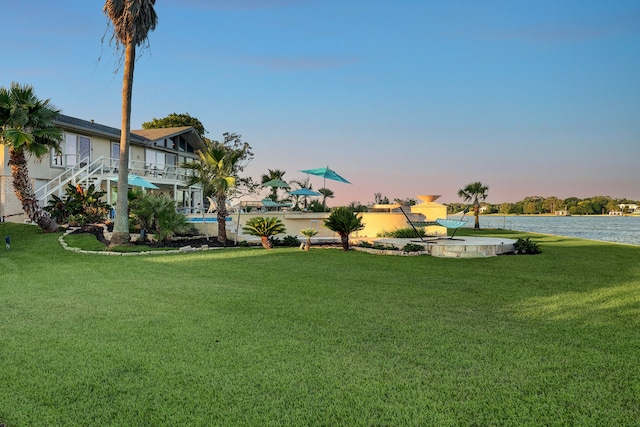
264	228
217	173
27	128
344	221
176	120
326	194
475	191
309	233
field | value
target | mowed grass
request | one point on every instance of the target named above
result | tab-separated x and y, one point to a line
287	337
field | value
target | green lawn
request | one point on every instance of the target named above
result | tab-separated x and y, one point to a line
287	337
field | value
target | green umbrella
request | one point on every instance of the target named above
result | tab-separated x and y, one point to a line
277	183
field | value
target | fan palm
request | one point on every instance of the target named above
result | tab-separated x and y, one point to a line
26	125
344	221
215	172
132	21
326	194
476	191
309	233
264	228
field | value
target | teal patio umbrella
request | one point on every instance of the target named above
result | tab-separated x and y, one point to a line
325	173
137	181
275	183
304	192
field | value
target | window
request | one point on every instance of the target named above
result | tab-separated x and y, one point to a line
115	155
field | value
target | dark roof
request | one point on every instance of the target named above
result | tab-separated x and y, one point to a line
142	137
95	128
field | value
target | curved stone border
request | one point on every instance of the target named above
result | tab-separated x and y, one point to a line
185	249
398	252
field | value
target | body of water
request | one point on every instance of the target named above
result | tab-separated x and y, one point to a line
619	229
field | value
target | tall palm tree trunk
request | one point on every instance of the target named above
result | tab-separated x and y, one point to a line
121	234
222	219
345	241
25	193
476	214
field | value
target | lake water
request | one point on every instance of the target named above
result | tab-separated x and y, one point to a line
619	229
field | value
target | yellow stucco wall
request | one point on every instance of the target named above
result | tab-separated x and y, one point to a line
375	222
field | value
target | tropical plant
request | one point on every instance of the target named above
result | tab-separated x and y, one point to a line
216	173
27	128
264	228
326	194
291	241
316	206
169	221
526	246
158	214
84	205
131	22
309	233
144	210
475	191
344	221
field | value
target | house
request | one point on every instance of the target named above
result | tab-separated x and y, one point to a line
90	154
629	208
562	212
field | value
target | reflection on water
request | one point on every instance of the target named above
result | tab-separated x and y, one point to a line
620	229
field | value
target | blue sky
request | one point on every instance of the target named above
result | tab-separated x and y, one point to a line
400	97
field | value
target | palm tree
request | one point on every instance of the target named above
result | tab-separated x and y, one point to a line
476	191
132	21
344	221
326	194
264	228
273	174
27	128
216	174
309	233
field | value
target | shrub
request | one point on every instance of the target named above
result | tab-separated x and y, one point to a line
412	247
290	241
403	233
158	214
526	246
79	206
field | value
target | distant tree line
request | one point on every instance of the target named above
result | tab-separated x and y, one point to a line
545	205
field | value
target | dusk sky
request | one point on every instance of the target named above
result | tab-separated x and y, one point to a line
403	98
